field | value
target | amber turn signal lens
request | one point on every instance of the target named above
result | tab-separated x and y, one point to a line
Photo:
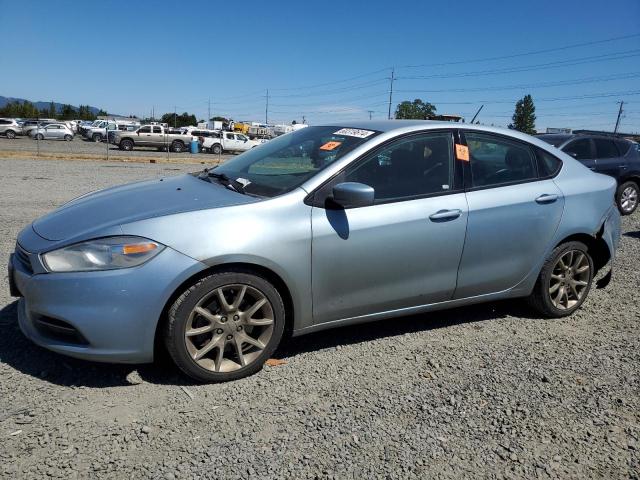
138	248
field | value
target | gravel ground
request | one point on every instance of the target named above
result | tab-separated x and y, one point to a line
81	146
487	391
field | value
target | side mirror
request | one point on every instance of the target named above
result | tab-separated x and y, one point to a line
353	194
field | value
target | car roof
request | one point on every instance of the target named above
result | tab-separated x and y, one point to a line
407	126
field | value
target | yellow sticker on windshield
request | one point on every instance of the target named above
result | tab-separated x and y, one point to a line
330	145
462	152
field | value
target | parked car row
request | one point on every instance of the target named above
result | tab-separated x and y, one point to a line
617	157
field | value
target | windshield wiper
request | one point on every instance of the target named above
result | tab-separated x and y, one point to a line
227	181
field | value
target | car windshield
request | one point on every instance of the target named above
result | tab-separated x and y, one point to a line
288	161
554	139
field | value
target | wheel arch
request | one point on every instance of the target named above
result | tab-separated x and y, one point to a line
244	267
596	246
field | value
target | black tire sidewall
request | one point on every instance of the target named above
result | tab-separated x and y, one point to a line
545	277
177	147
182	307
621	189
10	134
216	149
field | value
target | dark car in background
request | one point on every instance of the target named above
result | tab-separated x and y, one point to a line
607	154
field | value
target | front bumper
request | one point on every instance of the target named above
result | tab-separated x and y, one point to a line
108	316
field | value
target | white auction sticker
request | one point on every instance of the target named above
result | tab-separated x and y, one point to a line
354	132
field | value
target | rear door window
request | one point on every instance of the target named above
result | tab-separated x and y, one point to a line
499	161
157	130
579	149
605	148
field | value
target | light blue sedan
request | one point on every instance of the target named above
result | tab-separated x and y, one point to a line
326	226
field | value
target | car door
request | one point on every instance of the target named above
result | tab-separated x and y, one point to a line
144	135
230	141
582	149
51	131
513	214
242	142
609	160
403	250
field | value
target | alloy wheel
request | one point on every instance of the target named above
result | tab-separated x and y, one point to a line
569	279
629	199
229	328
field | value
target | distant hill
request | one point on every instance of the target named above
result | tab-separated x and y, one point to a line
40	105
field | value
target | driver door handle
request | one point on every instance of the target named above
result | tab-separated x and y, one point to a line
446	214
546	198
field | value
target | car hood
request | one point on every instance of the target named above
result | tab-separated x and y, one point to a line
136	201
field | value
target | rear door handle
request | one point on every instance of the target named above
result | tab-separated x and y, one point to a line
546	198
445	215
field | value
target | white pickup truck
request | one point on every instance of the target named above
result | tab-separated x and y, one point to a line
155	136
228	142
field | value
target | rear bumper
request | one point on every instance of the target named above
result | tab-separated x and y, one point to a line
612	231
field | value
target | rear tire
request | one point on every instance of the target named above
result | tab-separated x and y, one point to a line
564	281
627	197
10	134
68	138
39	136
126	145
237	336
177	147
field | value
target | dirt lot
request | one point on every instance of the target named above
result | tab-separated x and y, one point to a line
82	149
487	391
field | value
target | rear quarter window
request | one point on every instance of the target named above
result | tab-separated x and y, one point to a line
548	165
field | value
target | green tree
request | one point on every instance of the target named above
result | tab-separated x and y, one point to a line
67	112
219	119
183	120
524	117
417	110
52	110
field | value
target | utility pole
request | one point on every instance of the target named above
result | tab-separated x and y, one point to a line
476	115
266	109
208	110
175	114
370	113
153	113
615	130
393	70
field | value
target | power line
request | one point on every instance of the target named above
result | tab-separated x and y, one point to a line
528	68
577	81
522	54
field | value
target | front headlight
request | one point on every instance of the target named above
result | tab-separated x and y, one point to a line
102	254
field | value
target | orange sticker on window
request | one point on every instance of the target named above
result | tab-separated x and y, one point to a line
462	152
330	145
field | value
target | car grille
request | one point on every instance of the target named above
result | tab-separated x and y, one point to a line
23	258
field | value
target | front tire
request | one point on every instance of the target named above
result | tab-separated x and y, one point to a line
39	136
177	147
627	198
225	326
564	281
97	137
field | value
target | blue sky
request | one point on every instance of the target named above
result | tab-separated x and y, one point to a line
328	60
